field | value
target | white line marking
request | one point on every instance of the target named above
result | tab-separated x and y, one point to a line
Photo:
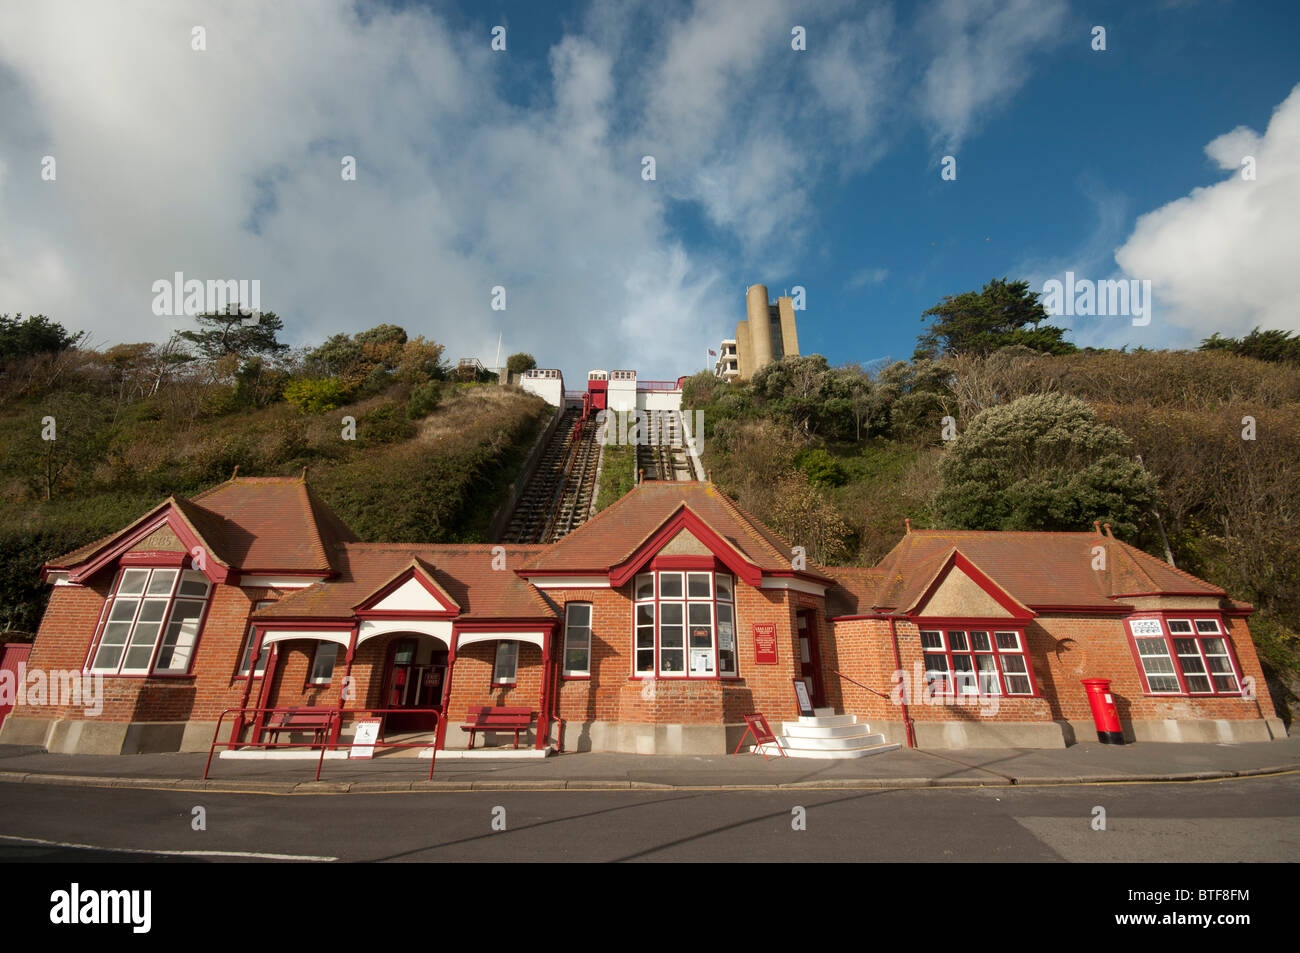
169	853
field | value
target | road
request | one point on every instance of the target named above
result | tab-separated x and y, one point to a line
1248	819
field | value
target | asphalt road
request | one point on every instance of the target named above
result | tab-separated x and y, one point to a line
1248	819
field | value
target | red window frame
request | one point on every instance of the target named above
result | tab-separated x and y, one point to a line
1169	637
948	652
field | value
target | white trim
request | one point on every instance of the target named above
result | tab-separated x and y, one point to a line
61	579
569	582
439	629
786	582
533	638
278	582
342	636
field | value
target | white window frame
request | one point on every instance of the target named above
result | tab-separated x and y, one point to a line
648	608
313	676
976	681
575	633
507	654
182	633
247	649
1192	629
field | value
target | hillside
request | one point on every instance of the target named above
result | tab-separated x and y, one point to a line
837	458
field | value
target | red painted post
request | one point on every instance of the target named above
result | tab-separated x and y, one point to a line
254	654
446	697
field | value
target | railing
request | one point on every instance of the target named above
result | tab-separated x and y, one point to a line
657	385
333	720
859	684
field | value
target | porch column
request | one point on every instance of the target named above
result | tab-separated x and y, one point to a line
446	693
346	687
254	653
268	675
548	691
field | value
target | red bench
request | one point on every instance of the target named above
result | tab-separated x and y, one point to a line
315	720
488	718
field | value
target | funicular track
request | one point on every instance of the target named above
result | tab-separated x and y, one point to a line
664	457
559	496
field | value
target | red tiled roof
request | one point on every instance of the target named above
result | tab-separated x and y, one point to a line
854	592
1039	569
615	533
251	524
464	571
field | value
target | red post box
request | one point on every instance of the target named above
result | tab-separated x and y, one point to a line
1104	715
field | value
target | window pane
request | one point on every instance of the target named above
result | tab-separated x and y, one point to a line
645	659
988	673
1197	683
193	584
161	583
724	586
107	657
153	610
697	585
1179	626
1008	641
671	660
123	610
931	640
1014	663
645	586
980	641
322	669
700	613
957	641
670	613
507	656
182	633
115	633
132	583
1226	683
1207	625
1215	646
645	615
1017	684
670	636
579	614
670	585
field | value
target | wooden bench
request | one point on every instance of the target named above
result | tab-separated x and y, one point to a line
488	718
315	720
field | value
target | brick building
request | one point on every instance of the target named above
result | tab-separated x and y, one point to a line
653	628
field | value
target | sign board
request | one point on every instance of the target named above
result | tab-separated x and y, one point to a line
363	742
763	734
802	697
765	643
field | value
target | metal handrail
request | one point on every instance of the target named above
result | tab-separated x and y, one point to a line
857	683
332	715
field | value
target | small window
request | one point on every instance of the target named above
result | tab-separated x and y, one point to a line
322	666
507	663
670	585
577	638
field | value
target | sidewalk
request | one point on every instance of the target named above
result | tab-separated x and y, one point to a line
903	768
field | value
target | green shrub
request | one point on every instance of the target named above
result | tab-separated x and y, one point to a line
821	468
424	400
316	395
383	425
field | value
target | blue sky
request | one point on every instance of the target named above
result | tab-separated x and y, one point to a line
522	169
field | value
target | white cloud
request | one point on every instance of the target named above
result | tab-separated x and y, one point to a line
1224	257
981	54
867	276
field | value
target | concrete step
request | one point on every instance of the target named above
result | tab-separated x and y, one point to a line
795	729
864	740
824	721
825	754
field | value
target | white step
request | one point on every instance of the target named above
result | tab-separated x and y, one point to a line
795	729
832	744
770	750
825	721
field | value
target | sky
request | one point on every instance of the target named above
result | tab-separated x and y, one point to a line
142	139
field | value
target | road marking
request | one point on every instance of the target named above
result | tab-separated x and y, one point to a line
246	855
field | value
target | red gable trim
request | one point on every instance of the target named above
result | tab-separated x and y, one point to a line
216	570
1016	609
685	518
450	607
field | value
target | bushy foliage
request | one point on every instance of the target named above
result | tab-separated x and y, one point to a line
35	334
316	395
1000	314
518	363
424	400
1272	345
1043	462
821	468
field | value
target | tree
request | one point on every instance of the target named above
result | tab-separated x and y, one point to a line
61	444
1042	462
35	334
1002	313
1272	345
228	333
518	363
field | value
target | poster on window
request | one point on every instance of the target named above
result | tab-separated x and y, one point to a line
765	643
726	637
701	661
1146	627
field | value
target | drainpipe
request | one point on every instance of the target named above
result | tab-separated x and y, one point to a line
898	664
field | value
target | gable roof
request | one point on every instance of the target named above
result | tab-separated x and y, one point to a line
463	572
249	524
1038	569
617	533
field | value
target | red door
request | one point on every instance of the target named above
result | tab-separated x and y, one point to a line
810	659
11	656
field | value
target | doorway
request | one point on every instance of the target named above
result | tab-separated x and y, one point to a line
810	657
413	679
